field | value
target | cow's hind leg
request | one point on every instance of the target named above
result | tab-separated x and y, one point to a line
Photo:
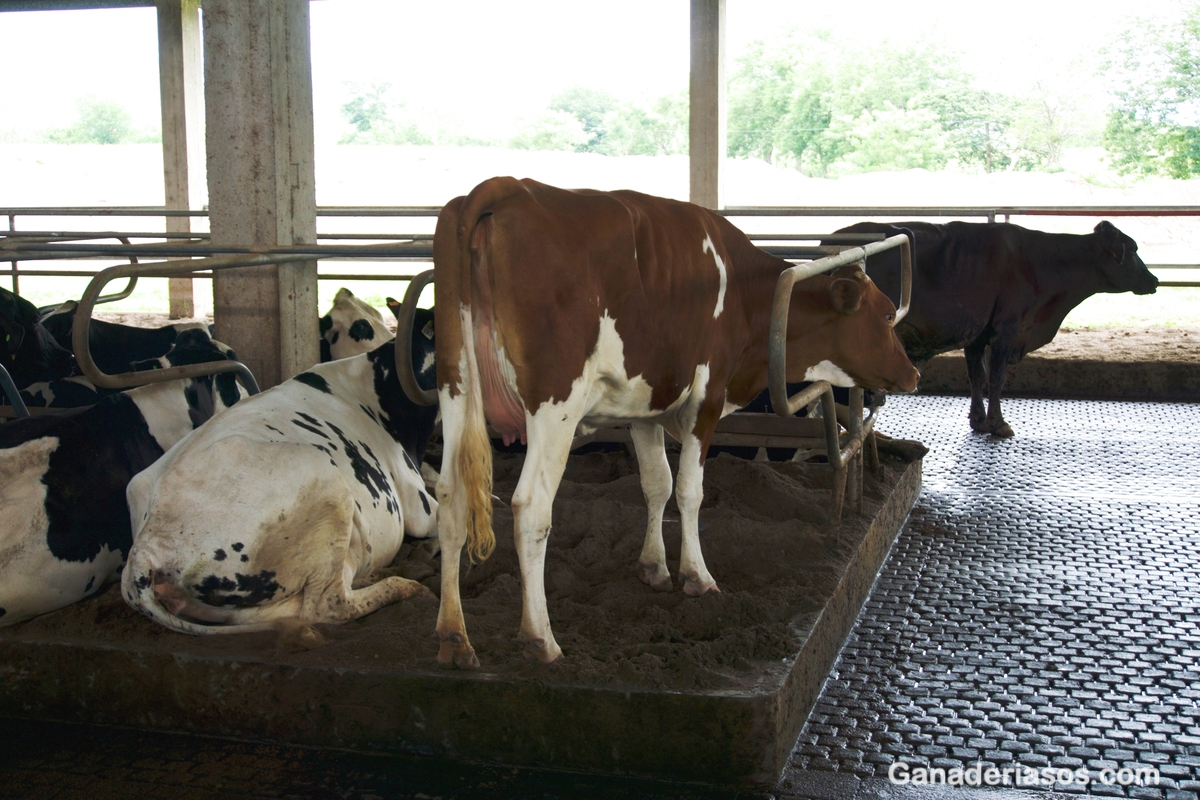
689	491
997	367
342	603
551	430
977	377
454	648
656	486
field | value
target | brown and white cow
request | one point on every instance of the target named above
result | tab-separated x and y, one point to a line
560	308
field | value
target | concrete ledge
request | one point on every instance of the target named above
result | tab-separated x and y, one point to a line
722	737
1082	379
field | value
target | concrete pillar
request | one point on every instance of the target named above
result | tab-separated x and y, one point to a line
261	184
706	131
181	88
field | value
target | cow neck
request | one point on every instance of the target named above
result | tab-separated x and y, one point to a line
368	382
175	408
756	278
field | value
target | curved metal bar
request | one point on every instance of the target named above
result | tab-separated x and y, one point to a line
12	393
906	259
128	290
404	325
80	340
777	340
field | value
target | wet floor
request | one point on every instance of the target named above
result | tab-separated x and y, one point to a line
1038	612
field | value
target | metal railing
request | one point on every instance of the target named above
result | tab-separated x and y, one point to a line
415	251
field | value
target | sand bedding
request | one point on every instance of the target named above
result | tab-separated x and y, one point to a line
761	528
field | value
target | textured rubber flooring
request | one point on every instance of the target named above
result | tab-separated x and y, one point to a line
1039	608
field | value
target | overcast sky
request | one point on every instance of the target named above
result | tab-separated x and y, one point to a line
499	61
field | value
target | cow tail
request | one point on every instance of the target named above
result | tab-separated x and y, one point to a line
475	447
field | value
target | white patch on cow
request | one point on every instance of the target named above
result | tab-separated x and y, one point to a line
33	580
828	371
708	246
348	309
165	409
429	363
321	510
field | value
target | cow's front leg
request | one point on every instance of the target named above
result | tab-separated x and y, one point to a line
994	423
977	377
550	432
454	649
656	487
689	491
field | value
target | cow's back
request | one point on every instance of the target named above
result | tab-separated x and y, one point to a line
961	271
546	265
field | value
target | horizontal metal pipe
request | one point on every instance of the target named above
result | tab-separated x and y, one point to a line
10	250
80	333
959	211
730	211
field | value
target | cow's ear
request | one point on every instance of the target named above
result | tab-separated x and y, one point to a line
846	294
394	305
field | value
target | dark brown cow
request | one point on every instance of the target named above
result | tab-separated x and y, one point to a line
558	308
999	291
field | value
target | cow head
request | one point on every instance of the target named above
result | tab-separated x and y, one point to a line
351	327
29	351
1120	264
858	338
207	394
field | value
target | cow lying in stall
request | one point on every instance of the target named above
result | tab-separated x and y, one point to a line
557	308
318	481
998	291
114	346
352	326
64	524
30	352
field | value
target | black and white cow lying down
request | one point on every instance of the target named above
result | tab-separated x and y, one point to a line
289	508
64	525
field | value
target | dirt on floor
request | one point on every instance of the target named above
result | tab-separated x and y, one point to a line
1124	344
761	526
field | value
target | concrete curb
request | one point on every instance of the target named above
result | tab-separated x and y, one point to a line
1078	379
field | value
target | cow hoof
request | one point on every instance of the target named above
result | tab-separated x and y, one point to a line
1002	431
456	651
539	649
695	588
980	425
655	576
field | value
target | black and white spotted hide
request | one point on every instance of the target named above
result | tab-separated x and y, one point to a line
288	507
64	523
352	326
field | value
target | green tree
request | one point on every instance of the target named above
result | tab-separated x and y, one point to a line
373	118
1154	123
99	122
553	130
810	101
590	107
657	130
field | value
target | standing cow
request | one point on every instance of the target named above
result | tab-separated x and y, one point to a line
64	525
290	507
998	291
556	308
